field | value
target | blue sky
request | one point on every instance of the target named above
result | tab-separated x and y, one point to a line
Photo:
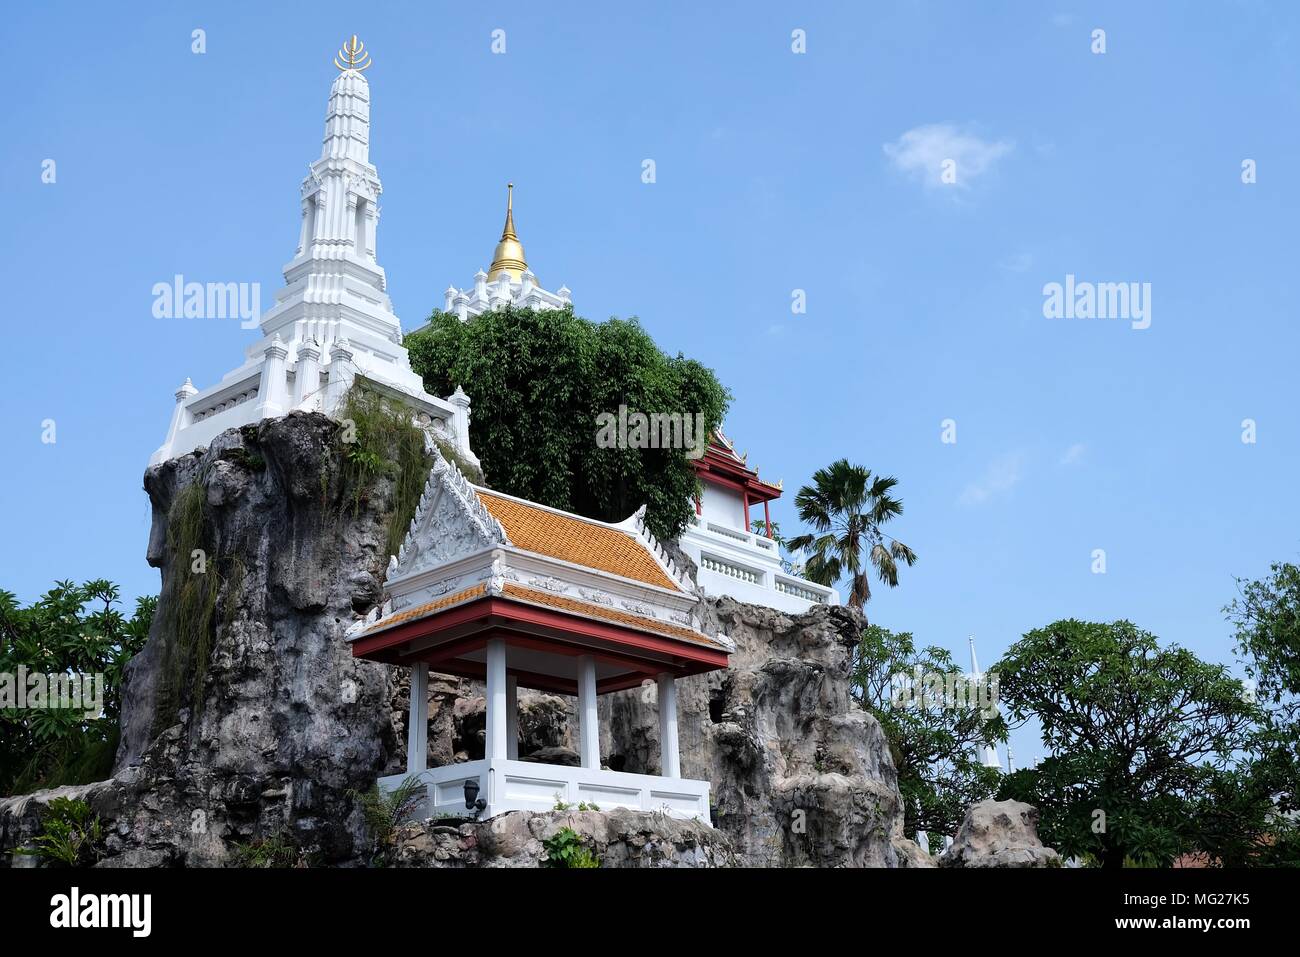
776	171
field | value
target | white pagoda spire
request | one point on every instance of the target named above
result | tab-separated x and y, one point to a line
988	755
333	321
334	279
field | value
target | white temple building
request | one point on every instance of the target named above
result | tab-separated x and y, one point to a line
508	280
333	321
732	559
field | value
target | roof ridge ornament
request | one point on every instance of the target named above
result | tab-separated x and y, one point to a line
354	52
443	472
637	526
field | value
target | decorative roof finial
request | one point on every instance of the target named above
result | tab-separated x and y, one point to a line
354	52
509	256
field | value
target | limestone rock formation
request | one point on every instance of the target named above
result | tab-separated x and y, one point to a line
801	775
618	838
245	717
999	834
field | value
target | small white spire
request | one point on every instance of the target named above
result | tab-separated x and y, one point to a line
988	755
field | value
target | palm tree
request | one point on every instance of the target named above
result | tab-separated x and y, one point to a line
846	507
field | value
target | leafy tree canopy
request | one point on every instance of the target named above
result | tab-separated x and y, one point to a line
1139	735
71	629
934	745
1267	620
539	380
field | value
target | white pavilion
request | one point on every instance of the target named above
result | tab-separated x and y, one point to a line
333	321
520	595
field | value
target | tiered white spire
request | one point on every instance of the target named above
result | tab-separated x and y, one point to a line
334	279
333	320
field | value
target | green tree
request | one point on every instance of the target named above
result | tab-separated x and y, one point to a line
71	629
1139	734
846	507
541	379
1266	615
934	745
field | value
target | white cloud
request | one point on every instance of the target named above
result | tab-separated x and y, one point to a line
922	152
1001	476
1017	263
1074	454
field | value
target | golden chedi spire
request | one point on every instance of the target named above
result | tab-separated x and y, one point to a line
509	256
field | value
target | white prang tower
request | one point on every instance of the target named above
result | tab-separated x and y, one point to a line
333	321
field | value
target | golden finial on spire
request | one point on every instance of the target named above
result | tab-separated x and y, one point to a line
354	52
509	255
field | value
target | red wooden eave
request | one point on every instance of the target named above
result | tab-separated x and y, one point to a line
470	625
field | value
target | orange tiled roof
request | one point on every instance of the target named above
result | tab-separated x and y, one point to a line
551	600
428	608
575	540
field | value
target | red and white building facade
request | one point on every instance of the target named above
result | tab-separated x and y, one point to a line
731	559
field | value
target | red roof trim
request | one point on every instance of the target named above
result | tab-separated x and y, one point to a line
720	466
503	613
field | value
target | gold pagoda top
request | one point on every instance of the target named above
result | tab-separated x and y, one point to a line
509	256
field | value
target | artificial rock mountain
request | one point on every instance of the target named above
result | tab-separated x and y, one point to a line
273	726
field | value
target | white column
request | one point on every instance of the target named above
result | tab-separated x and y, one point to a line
307	377
512	717
273	390
341	374
417	725
669	760
181	419
495	746
587	722
460	421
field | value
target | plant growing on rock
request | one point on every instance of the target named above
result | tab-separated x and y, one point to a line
197	580
379	437
71	835
276	851
564	848
384	812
